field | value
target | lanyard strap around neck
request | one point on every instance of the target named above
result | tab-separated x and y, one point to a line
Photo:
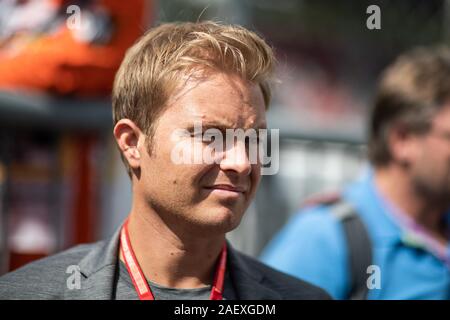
138	278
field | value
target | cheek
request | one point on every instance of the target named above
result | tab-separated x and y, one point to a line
432	163
187	180
424	152
435	157
255	177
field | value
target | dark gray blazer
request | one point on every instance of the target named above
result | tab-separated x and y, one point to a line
48	278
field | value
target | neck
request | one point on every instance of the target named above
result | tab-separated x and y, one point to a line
170	259
396	186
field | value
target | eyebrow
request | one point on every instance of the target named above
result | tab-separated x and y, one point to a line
222	127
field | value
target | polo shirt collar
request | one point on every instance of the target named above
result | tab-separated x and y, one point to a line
385	225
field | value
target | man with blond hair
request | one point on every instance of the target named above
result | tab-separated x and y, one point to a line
172	245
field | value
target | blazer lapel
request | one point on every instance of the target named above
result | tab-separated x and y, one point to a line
99	268
248	282
98	271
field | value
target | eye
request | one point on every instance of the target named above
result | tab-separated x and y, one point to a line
251	140
207	137
197	135
204	137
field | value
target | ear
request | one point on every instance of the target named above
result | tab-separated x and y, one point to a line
404	145
129	138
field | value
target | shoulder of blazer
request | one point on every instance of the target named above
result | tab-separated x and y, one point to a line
48	278
44	278
97	263
257	281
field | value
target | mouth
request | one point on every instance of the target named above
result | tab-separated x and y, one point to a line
227	190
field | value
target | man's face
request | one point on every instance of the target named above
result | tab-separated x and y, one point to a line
430	168
203	198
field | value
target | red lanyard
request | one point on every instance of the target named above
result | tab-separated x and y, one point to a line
138	278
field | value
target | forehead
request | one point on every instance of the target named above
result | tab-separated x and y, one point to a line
220	98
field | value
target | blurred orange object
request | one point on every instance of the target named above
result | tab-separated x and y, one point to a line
63	61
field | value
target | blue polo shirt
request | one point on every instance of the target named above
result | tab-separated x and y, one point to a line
312	246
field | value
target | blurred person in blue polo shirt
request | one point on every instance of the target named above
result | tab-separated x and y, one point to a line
386	236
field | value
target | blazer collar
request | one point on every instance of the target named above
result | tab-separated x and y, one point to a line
98	269
99	274
248	282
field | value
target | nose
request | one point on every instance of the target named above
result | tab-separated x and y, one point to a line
235	158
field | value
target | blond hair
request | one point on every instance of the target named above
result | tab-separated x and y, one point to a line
153	66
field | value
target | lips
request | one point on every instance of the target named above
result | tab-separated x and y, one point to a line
228	187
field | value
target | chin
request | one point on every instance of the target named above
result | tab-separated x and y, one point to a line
221	220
